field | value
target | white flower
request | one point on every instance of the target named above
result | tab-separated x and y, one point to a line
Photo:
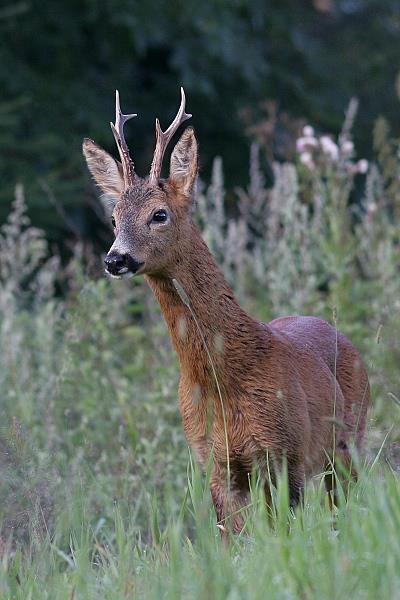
307	160
308	131
371	207
347	147
329	147
305	143
362	166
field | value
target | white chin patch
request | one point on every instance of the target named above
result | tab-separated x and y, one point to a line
124	275
127	275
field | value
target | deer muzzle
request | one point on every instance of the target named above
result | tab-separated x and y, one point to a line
121	265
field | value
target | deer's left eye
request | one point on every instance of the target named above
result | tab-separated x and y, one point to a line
160	216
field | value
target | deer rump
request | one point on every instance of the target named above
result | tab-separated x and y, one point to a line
321	342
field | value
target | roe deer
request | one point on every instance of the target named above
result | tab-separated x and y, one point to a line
283	384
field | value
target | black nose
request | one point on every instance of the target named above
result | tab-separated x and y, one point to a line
115	262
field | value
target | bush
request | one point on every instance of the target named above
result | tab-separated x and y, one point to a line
88	406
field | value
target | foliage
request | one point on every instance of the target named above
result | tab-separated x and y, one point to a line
308	554
96	498
61	62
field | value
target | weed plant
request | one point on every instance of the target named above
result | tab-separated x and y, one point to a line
99	497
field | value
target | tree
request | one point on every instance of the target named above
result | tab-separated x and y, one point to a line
61	62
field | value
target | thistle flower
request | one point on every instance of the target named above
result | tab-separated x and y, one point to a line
347	148
329	147
362	166
306	143
306	159
308	131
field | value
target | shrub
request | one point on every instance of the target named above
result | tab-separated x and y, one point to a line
88	379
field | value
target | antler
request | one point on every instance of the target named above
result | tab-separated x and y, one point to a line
118	131
164	137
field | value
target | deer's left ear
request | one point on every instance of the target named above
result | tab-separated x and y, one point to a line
184	162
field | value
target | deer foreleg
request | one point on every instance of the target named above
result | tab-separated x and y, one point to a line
229	499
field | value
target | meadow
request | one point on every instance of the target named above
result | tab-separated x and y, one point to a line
99	495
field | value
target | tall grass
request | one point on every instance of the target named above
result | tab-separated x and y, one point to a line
98	495
301	555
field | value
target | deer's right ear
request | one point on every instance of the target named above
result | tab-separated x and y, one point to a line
106	171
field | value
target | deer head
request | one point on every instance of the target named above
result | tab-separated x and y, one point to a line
151	216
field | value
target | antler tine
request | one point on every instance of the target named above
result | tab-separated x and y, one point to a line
118	130
164	137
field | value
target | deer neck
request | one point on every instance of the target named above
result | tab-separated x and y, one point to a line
209	322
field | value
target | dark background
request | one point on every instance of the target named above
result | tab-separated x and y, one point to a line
250	69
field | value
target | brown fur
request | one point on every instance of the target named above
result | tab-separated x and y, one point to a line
284	384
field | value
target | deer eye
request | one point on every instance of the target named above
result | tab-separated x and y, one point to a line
160	216
113	222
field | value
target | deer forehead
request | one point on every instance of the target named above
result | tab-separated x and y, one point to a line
140	201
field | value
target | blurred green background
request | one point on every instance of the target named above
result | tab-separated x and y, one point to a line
251	69
98	495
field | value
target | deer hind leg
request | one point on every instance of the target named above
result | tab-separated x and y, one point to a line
341	468
229	500
352	377
353	381
296	479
